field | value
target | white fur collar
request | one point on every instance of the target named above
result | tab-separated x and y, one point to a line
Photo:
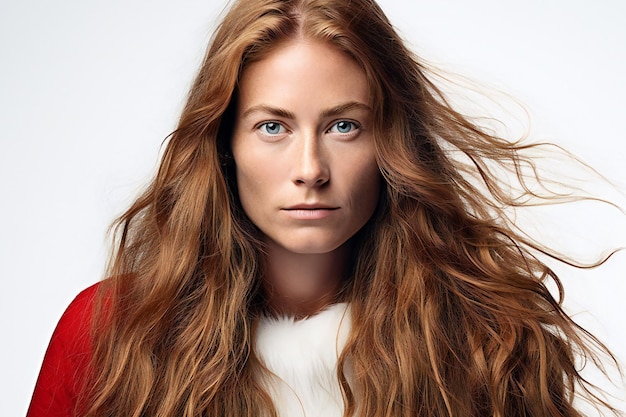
302	355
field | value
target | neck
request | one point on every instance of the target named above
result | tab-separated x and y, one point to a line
300	285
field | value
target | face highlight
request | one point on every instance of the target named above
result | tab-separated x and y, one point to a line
303	147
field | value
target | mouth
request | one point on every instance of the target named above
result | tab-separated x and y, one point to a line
310	207
307	212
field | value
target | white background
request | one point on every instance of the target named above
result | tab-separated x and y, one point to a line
88	91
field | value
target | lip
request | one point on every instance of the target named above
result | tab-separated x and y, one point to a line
314	206
310	211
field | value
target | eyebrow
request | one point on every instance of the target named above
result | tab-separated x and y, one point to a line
351	105
280	112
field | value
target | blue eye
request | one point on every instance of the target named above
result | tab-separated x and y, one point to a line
343	126
272	128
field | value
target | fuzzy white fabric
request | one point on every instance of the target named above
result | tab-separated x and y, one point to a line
302	355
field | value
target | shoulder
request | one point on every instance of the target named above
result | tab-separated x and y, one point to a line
78	314
66	361
72	333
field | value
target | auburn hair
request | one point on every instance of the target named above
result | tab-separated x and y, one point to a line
451	312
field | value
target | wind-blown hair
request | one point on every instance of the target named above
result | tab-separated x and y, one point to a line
451	313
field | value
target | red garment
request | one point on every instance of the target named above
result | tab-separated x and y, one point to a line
66	361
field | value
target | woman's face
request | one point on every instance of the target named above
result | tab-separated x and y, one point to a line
304	149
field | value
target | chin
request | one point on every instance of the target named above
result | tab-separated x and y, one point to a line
310	246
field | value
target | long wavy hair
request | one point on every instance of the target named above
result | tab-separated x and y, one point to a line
450	308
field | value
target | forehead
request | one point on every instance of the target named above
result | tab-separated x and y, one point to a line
307	70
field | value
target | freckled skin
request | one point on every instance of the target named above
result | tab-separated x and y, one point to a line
303	148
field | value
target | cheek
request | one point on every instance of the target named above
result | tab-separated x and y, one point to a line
372	190
257	181
245	175
366	188
248	183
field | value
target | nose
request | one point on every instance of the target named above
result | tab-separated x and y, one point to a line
310	166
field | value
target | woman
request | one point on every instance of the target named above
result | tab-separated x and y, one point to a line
310	247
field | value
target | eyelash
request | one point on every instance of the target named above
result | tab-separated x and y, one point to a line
263	127
354	126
